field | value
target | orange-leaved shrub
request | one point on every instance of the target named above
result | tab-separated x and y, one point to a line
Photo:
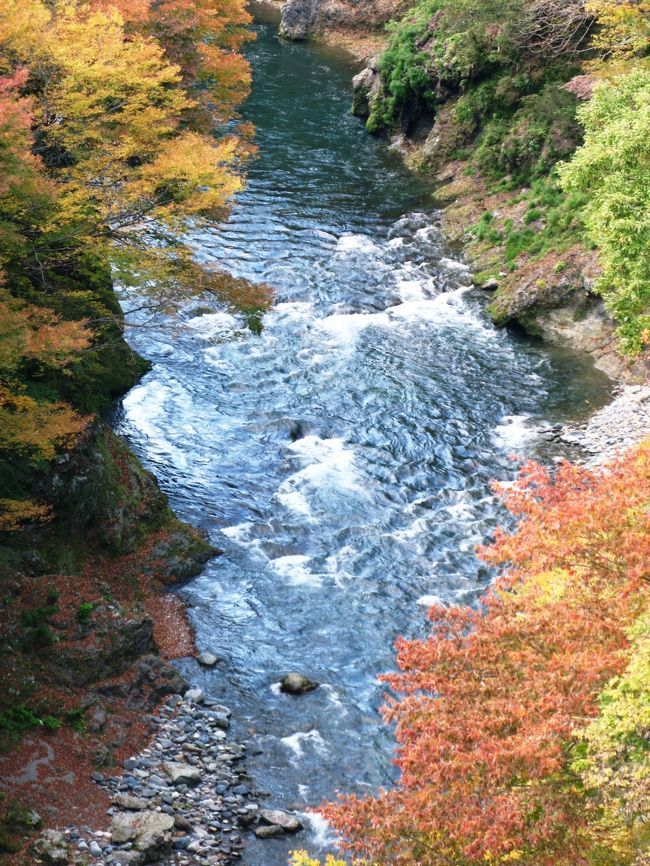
488	707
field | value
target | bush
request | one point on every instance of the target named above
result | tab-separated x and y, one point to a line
84	612
612	171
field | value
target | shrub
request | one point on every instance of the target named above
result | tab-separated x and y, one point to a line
84	612
612	171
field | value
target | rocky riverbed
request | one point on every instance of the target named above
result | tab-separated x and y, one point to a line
618	425
184	800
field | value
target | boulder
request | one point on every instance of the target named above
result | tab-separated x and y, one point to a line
207	659
367	88
127	801
297	684
150	832
182	774
298	18
51	848
287	822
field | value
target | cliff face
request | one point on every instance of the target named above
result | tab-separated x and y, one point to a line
303	18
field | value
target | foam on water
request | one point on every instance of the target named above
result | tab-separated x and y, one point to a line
514	432
295	570
302	740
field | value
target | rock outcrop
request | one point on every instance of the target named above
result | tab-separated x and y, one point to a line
302	18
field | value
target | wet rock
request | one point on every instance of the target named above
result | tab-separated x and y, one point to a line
51	848
279	818
207	659
268	831
181	555
182	774
94	849
297	684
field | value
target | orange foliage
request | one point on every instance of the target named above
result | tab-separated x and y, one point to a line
16	512
489	703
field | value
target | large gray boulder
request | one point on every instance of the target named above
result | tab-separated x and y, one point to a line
150	833
298	18
287	822
51	848
297	684
182	774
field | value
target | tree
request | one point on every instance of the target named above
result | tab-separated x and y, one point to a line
613	169
489	707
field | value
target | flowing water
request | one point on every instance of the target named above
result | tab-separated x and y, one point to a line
342	460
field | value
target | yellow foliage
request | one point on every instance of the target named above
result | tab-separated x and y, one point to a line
37	430
622	38
614	757
21	23
15	512
302	858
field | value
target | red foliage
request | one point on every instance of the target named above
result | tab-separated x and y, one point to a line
488	703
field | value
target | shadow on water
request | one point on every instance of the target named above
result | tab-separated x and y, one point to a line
343	458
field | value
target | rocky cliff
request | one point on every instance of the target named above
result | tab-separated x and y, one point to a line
304	18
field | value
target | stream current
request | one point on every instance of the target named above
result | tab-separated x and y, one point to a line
342	459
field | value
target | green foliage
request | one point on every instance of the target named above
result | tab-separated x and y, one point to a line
612	170
15	821
16	720
503	73
37	633
404	67
84	612
557	223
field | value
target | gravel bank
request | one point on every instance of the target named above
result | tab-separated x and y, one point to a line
622	423
184	800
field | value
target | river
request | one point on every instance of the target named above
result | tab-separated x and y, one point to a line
343	458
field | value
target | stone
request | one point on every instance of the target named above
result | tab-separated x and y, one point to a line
207	659
194	696
127	801
94	849
279	818
490	285
150	832
297	684
268	831
51	848
182	774
298	18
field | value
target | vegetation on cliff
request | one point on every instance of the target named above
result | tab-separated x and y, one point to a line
117	127
509	91
118	124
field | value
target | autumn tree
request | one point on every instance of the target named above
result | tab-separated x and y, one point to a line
488	709
112	127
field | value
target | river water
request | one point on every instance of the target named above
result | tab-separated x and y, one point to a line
342	460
